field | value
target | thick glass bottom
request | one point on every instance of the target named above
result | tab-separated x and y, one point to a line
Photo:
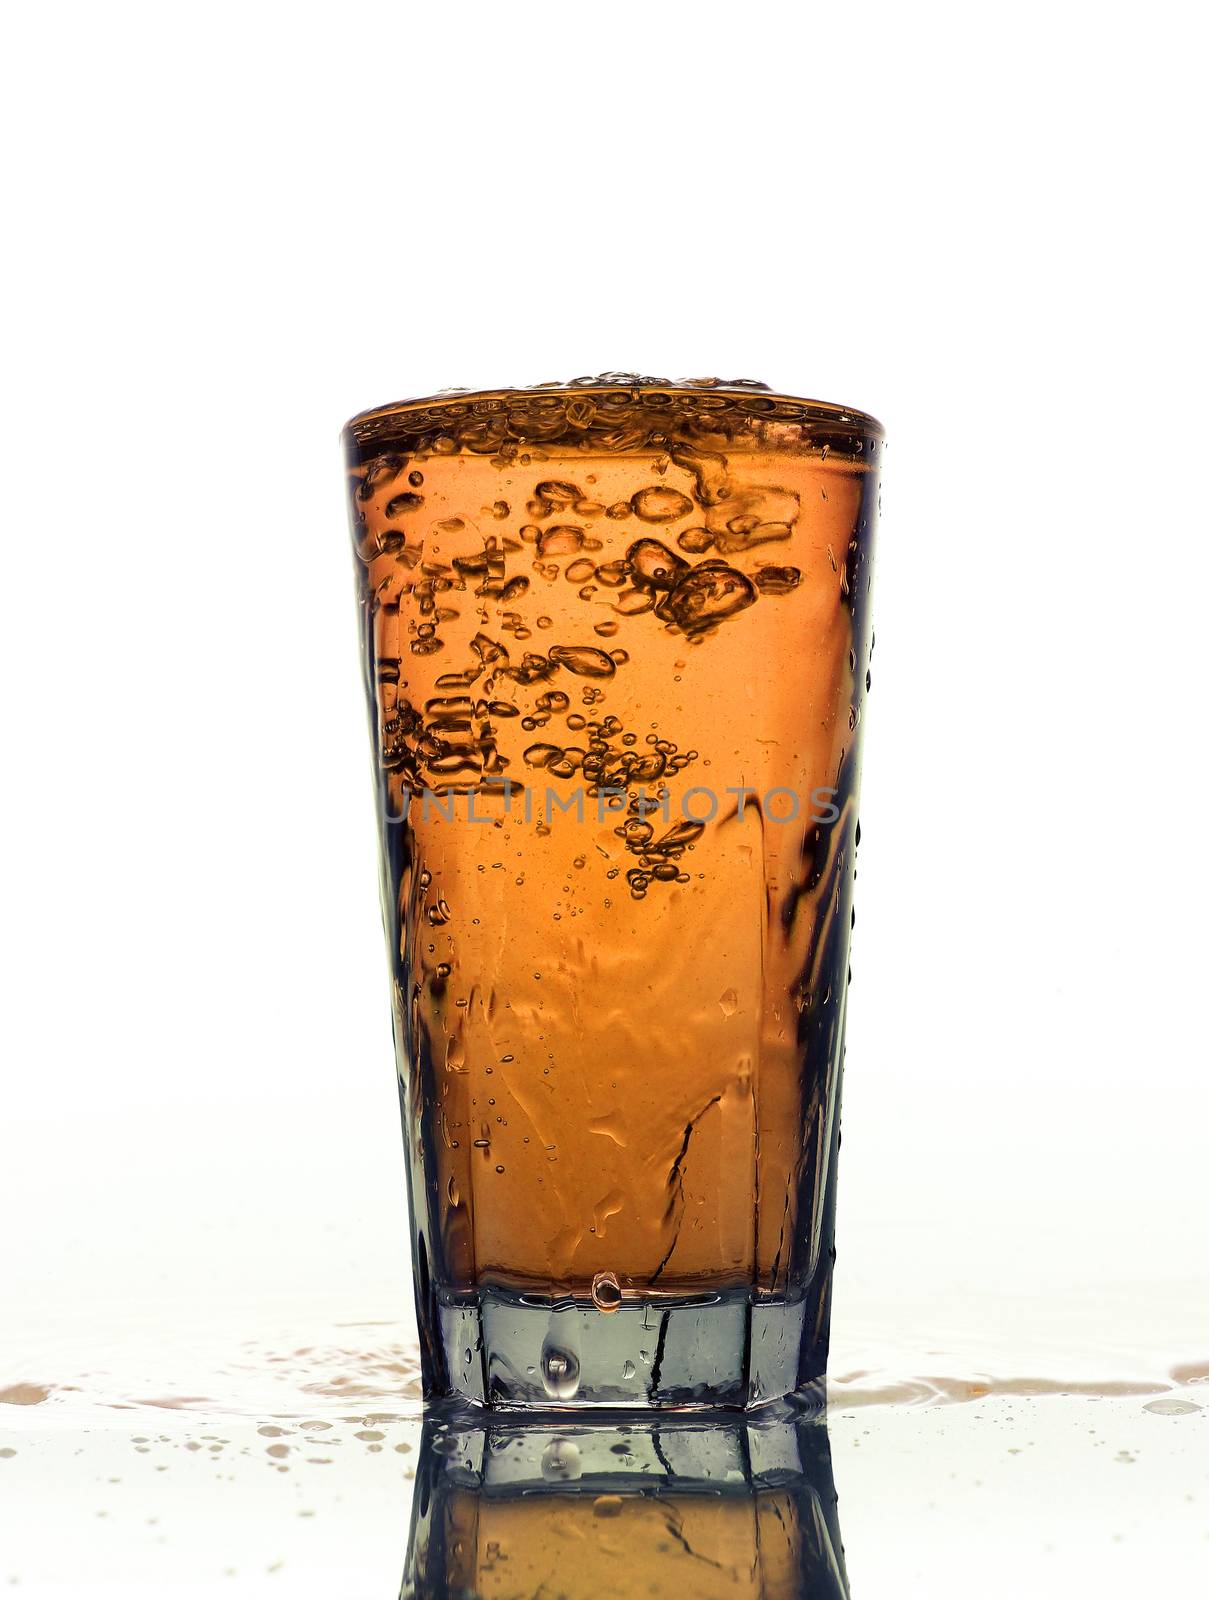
733	1351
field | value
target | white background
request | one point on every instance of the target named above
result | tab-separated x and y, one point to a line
232	226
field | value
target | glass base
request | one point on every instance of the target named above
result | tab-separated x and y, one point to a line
516	1352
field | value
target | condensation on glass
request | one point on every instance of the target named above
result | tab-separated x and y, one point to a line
616	648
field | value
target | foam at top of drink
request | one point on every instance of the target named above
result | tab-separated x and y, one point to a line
615	412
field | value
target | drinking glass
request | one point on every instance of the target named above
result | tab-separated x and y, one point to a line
616	649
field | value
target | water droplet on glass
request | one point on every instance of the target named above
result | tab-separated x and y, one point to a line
560	1461
560	1372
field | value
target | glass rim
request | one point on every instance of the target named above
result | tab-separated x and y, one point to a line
611	391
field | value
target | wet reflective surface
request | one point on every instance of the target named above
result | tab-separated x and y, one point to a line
140	1454
653	1507
1003	1495
258	1428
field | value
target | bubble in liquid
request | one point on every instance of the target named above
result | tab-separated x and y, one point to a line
627	1369
659	504
1171	1408
557	495
696	541
777	580
541	755
708	594
612	574
583	659
634	603
560	1372
402	503
560	541
653	565
560	1461
680	834
729	1002
554	701
606	1291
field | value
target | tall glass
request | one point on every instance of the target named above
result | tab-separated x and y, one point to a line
616	645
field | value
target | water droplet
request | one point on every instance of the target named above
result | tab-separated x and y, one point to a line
560	1373
560	1461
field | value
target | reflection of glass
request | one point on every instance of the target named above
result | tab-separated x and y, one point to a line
742	1507
616	641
